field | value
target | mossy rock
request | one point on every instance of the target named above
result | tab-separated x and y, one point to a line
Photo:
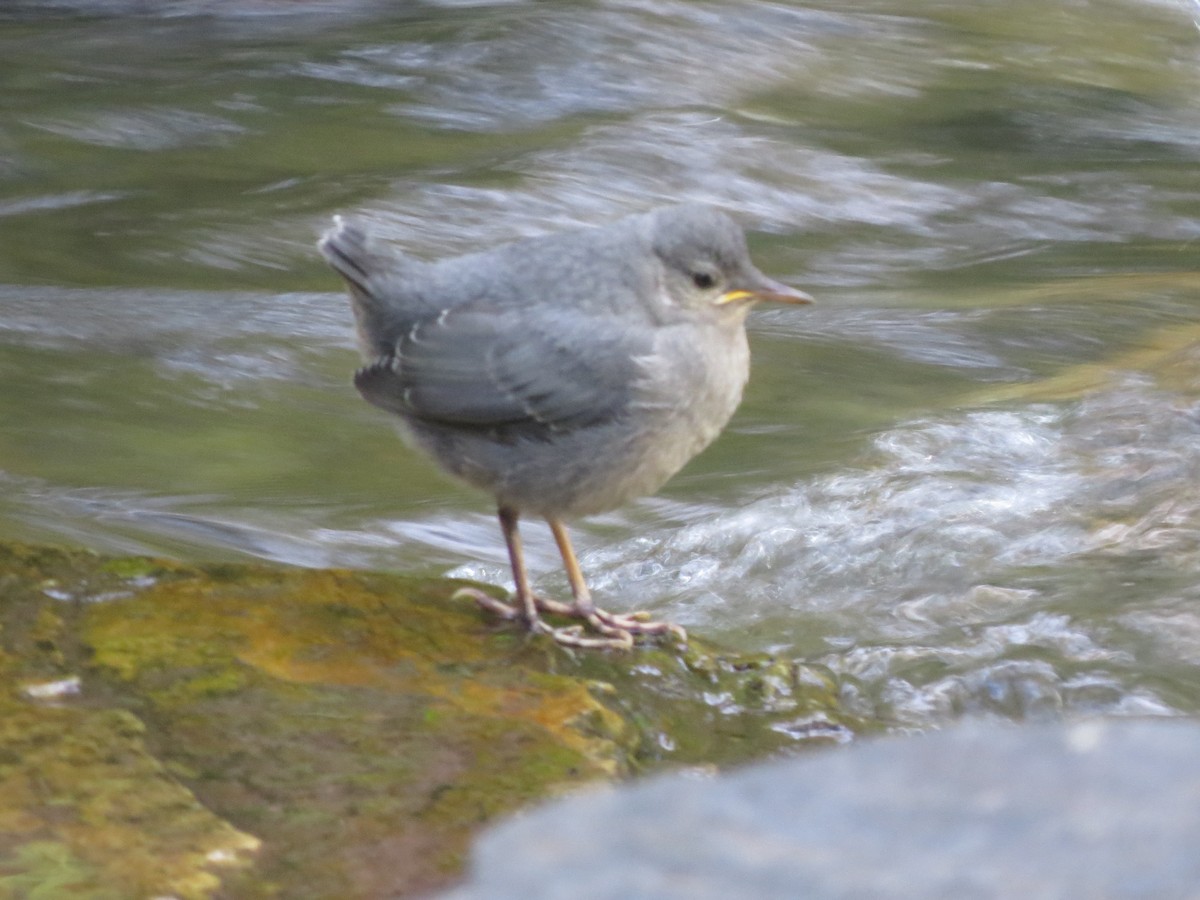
259	731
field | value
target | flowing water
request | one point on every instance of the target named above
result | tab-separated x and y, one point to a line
968	480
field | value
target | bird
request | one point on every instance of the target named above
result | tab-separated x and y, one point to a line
564	374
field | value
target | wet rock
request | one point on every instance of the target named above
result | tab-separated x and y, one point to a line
1104	808
249	730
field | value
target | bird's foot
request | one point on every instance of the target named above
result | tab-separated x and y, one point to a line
574	636
606	622
614	630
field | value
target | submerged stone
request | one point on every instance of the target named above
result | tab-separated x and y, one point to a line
1091	809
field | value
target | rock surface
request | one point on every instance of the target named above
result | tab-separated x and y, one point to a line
1097	809
258	731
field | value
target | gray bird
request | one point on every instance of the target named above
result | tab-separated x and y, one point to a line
565	374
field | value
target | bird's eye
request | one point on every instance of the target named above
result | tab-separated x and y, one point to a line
703	280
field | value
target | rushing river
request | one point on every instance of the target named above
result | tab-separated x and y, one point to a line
968	480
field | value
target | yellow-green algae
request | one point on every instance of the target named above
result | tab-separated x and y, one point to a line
85	810
360	726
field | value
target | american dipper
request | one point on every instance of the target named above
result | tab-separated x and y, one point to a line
564	374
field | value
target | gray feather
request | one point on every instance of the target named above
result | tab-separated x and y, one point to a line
471	367
469	342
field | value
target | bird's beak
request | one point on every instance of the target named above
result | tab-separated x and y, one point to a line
764	289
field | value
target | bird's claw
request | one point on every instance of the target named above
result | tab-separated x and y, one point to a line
573	636
638	623
608	623
615	631
488	603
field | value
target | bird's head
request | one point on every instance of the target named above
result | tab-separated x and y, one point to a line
707	264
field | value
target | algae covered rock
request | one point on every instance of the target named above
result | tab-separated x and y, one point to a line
257	731
86	808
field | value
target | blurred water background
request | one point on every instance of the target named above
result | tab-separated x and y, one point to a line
968	480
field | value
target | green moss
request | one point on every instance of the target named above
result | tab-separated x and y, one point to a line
134	567
80	793
49	870
362	727
344	699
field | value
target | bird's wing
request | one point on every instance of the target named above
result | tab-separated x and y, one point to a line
484	367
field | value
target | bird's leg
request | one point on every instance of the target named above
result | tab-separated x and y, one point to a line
526	609
512	540
611	624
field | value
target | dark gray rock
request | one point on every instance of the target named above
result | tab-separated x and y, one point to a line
1098	809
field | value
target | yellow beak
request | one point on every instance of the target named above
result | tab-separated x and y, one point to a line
765	290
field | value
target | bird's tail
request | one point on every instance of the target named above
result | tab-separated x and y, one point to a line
375	270
378	277
347	248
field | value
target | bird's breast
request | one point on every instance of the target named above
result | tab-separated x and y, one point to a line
691	385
